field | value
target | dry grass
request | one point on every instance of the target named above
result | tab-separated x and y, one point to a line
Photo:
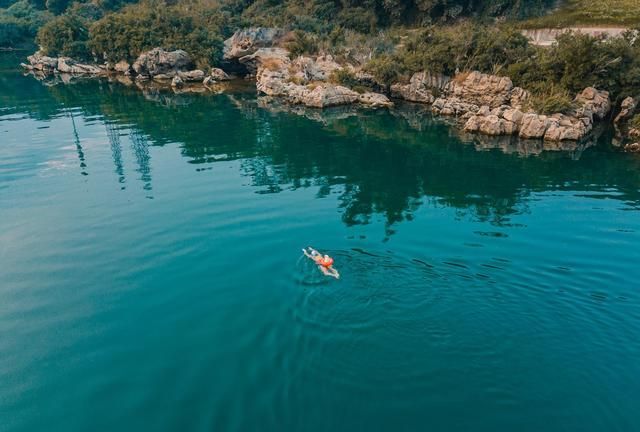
461	77
272	64
591	13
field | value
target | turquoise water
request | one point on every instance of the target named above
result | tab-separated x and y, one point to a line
151	275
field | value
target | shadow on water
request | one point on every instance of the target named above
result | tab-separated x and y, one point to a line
391	163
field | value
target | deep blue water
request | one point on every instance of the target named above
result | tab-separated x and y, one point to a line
151	276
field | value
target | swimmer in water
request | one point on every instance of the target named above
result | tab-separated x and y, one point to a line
324	262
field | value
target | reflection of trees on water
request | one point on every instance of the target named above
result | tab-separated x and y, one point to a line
140	148
378	163
76	141
113	134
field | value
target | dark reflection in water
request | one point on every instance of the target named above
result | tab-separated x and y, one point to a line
116	149
393	162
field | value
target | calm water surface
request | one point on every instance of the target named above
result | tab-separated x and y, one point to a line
151	275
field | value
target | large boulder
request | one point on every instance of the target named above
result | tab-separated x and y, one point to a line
632	148
566	128
534	125
195	75
595	101
481	89
499	121
375	100
453	107
248	41
273	80
70	66
123	67
264	55
328	95
627	110
420	88
161	62
218	74
39	61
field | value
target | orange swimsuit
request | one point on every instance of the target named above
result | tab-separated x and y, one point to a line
326	262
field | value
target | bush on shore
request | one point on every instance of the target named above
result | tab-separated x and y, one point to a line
467	46
576	61
551	99
136	28
65	35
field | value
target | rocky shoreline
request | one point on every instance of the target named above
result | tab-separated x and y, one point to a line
480	103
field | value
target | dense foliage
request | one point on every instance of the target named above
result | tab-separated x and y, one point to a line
373	33
20	22
368	15
552	73
65	35
136	28
579	60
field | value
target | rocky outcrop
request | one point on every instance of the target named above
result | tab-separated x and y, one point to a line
252	61
510	120
632	148
315	69
304	81
328	95
218	74
594	102
499	121
481	89
627	111
453	107
421	87
160	62
65	65
247	41
41	62
122	67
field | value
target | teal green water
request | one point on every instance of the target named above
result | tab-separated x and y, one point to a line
151	275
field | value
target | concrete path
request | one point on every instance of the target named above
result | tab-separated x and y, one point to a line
547	36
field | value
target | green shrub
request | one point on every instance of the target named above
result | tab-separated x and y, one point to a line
577	61
65	35
384	69
302	43
635	122
551	100
466	46
137	28
344	77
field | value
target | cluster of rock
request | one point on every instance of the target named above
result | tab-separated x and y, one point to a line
485	104
301	81
39	62
492	105
305	81
574	126
156	64
421	87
